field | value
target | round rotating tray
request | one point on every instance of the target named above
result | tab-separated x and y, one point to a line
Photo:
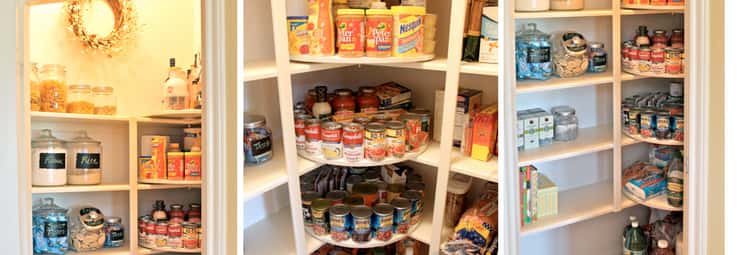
172	182
365	162
371	244
654	7
659	202
168	249
654	140
362	60
651	75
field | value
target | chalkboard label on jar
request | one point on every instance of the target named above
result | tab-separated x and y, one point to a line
55	229
117	235
52	160
87	161
261	146
538	55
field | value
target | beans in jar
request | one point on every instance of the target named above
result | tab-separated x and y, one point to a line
331	138
375	144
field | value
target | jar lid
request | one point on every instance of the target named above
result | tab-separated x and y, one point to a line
343	92
663	244
83	138
597	45
367	89
400	203
361	211
394	125
79	87
563	110
175	206
383	209
113	220
47	207
677	30
660	31
410	10
339	209
91	217
459	184
254	121
195	205
103	89
375	127
378	5
46	138
573	43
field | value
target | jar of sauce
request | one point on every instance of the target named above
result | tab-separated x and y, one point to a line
659	41
194	214
677	39
310	98
343	103
367	100
176	214
641	38
350	25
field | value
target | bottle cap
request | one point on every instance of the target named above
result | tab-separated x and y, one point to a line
663	244
634	224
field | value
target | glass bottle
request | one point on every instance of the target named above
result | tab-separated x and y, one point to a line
105	102
310	99
176	214
566	123
570	58
635	242
194	214
641	38
49	228
79	99
34	87
85	155
48	155
367	101
53	88
675	181
115	232
343	103
175	89
321	109
677	39
533	54
597	58
663	248
87	231
659	40
159	213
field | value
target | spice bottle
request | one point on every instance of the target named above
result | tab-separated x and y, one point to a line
49	157
321	109
85	160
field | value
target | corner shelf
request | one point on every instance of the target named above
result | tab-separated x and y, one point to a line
361	60
654	7
177	114
365	162
556	83
171	182
78	118
653	140
349	243
590	140
562	14
80	188
659	202
665	75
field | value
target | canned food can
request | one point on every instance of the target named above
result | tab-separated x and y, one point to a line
312	137
336	196
161	228
361	226
368	192
331	138
190	235
673	61
375	144
395	139
299	130
415	198
644	63
307	199
657	61
648	123
150	227
354	200
320	216
663	125
382	191
401	215
676	89
142	221
339	222
382	222
679	128
361	120
625	114
174	230
353	139
418	127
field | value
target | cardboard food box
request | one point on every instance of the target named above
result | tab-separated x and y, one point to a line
159	155
546	203
484	133
467	102
193	169
392	93
175	165
488	40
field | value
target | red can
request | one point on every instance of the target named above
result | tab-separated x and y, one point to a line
150	227
161	228
657	56
299	129
353	135
142	221
644	54
625	51
312	129
633	53
174	230
331	132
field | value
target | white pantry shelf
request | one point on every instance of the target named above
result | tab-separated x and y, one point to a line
80	188
576	205
562	14
170	182
659	202
361	60
590	140
424	229
437	64
144	186
460	163
555	83
273	235
269	175
78	118
177	114
649	12
265	69
653	140
654	7
122	250
480	68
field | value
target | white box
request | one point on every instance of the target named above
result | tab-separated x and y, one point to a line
488	40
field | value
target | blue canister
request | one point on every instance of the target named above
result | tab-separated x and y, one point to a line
382	221
415	199
50	228
340	222
401	215
257	140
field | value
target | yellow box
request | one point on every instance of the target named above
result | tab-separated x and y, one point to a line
408	29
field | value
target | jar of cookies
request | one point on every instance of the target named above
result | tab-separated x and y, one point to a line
53	88
79	99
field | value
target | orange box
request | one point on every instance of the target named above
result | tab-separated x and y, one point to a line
175	165
159	155
146	168
193	166
484	134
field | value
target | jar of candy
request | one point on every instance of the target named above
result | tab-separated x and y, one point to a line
566	123
85	155
53	88
570	59
87	229
49	228
533	54
597	58
257	140
115	232
105	103
79	99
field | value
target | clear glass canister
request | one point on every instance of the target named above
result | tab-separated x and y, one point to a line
105	102
85	160
570	59
566	5
566	123
533	54
79	99
87	231
257	140
48	155
53	88
597	58
34	88
115	232
50	228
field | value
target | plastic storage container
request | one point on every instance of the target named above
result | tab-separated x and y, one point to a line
532	5
85	156
566	5
105	102
48	160
458	186
53	88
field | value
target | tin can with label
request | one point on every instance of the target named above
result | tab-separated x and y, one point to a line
375	144
415	198
190	235
320	216
368	192
663	125
336	196
331	138
361	120
340	223
418	127
174	235
673	61
625	116
361	226
644	63
395	139
299	130
312	137
401	215
678	128
657	61
353	139
382	222
634	121
161	234
307	199
648	123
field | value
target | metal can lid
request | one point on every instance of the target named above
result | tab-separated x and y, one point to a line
302	116
375	127
367	90
312	122
394	124
331	125
343	92
254	121
336	195
309	196
352	126
383	209
339	210
175	206
354	200
361	211
365	188
321	204
412	195
400	203
113	220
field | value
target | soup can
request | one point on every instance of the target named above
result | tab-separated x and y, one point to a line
648	124
354	200
307	199
361	226
340	223
353	139
299	130
418	186
331	138
312	137
320	216
395	139
415	199
663	126
401	215
336	196
375	144
673	61
678	128
361	120
190	235
382	222
634	121
418	127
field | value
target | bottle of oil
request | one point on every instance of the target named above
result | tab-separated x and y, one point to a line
635	241
675	180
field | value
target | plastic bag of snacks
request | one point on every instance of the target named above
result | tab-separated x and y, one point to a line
479	223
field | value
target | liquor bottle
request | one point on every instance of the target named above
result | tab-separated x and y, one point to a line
675	179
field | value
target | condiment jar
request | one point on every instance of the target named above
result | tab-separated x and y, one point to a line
85	155
566	5
115	232
677	39
566	123
49	228
87	229
49	165
571	60
176	214
79	99
641	37
659	40
105	102
194	213
350	25
343	103
367	101
597	58
53	88
257	140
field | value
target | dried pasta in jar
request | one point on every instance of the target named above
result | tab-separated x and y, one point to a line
53	90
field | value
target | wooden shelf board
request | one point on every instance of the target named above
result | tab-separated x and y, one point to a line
171	182
166	250
649	12
259	70
363	163
555	83
424	229
653	140
480	68
628	141
144	186
576	205
653	7
80	188
361	60
659	202
79	118
562	14
176	122
590	140
177	114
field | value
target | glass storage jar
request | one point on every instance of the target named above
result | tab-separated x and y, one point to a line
566	123
597	58
367	101
48	155
570	59
566	5
34	87
85	160
257	140
105	102
532	5
79	99
87	229
49	228
533	54
115	232
53	88
343	103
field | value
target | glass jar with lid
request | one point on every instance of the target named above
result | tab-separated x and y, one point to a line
571	59
105	102
533	54
257	140
597	58
79	99
50	228
566	123
343	103
566	5
115	232
367	100
53	88
85	160
48	155
34	88
87	231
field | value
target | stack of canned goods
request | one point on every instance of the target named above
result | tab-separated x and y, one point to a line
655	115
168	234
365	138
345	205
651	59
